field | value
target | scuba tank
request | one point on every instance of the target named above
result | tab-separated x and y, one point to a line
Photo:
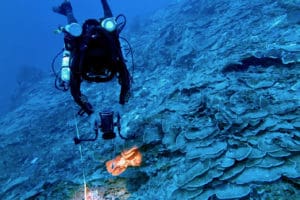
65	73
63	76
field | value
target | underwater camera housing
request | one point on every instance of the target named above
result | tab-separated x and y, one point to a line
108	125
108	122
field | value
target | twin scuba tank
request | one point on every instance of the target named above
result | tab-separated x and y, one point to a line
65	73
75	30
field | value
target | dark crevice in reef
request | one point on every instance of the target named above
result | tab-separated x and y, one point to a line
252	61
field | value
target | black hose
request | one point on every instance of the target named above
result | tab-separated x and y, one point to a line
54	60
58	86
130	51
122	24
56	74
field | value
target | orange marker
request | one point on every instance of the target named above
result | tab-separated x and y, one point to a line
131	157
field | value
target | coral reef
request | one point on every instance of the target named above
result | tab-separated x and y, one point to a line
215	113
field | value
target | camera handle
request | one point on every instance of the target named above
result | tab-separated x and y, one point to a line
106	127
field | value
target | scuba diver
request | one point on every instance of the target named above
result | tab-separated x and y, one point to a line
92	52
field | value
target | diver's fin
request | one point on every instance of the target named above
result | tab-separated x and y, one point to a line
64	8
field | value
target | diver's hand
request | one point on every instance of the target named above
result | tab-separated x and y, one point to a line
86	107
84	110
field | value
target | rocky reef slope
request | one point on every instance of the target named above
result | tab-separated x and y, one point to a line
215	112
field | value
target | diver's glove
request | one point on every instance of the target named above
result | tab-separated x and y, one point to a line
64	8
86	107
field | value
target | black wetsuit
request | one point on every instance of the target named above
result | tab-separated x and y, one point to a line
94	52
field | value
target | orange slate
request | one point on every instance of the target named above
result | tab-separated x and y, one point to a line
131	157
